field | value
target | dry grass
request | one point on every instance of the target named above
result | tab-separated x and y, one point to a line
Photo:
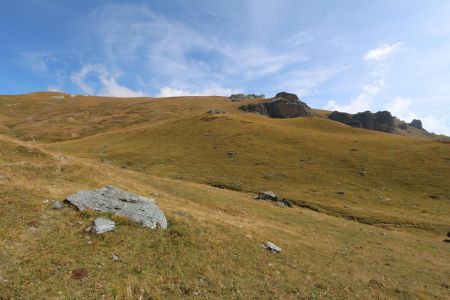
212	248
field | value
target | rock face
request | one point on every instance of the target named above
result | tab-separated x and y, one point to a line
416	124
101	225
380	121
284	105
140	209
345	118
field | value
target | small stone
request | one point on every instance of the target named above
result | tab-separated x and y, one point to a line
436	197
340	193
215	111
272	247
57	205
281	204
115	257
101	225
231	155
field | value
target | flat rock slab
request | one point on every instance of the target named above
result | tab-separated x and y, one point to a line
101	225
110	199
272	247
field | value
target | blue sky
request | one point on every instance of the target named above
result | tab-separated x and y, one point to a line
345	55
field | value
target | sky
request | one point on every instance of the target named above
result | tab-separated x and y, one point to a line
346	55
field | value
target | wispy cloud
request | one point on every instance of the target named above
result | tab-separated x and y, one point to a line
404	110
211	91
362	102
177	55
383	52
306	82
378	69
97	80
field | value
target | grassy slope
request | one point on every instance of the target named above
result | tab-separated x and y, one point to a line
214	251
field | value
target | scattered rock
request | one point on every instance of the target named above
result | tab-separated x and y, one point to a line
101	225
437	197
271	196
115	257
241	97
281	204
140	209
272	247
80	274
267	196
215	111
231	155
284	105
340	193
3	178
57	205
284	203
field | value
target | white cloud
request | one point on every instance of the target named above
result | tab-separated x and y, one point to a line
102	83
53	88
378	70
436	125
382	52
216	91
179	54
401	108
305	82
362	102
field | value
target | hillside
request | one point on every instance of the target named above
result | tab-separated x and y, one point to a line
372	209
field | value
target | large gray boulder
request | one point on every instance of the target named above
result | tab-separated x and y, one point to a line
110	199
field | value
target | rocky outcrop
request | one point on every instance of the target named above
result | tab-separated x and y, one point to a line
380	121
345	118
110	199
271	196
416	124
284	105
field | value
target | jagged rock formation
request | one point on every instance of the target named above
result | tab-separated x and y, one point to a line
284	105
110	199
380	121
416	124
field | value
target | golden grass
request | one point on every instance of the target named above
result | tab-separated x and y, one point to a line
212	248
